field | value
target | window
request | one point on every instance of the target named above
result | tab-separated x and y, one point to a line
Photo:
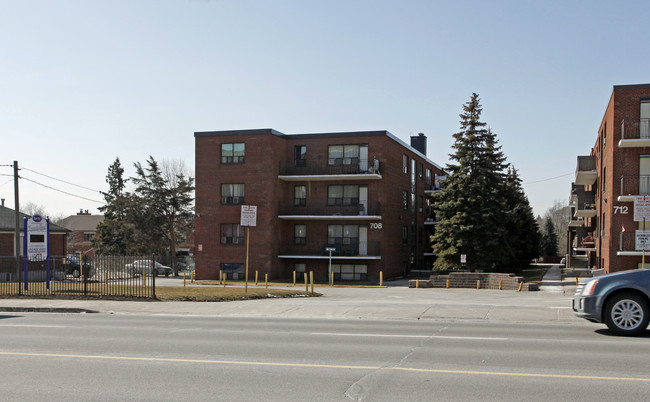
420	202
232	194
233	271
300	155
300	234
232	153
232	233
343	234
420	172
89	236
350	272
300	196
405	235
428	176
342	155
405	200
343	195
405	164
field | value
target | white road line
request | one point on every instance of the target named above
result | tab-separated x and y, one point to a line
32	326
480	338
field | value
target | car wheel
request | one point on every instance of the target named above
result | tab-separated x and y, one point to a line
155	272
76	273
626	314
166	274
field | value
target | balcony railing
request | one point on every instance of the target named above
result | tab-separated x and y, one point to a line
331	166
635	129
345	249
334	210
635	185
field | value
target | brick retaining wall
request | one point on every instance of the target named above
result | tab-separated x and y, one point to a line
469	280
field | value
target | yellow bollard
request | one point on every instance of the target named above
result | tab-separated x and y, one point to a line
192	276
224	279
501	284
521	286
220	273
311	279
577	281
478	284
255	278
294	278
184	279
266	280
332	283
417	283
106	277
306	284
447	283
381	278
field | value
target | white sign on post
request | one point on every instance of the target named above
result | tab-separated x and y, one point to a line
37	238
248	215
463	258
642	240
641	208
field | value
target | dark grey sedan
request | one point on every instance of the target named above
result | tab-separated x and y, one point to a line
620	300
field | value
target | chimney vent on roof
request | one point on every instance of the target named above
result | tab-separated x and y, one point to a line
419	142
3	201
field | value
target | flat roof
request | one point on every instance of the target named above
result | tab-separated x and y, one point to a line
632	86
270	131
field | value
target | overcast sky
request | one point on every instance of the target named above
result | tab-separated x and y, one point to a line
84	82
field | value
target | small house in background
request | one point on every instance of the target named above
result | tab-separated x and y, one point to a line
83	229
58	234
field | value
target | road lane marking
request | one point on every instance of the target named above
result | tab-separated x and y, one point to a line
32	326
468	338
329	366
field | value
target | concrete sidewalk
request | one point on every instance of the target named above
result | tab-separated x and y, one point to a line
388	303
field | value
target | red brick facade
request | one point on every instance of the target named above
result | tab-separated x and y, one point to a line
622	162
270	174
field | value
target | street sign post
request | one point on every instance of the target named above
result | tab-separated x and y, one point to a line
330	279
248	218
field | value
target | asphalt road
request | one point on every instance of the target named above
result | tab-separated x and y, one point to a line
163	357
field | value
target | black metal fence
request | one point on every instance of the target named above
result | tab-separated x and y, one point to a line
96	276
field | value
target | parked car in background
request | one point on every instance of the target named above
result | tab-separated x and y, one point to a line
73	267
620	300
139	267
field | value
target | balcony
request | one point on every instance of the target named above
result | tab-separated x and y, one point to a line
586	173
633	242
583	240
576	222
632	186
574	192
330	169
437	186
635	133
348	249
357	211
585	204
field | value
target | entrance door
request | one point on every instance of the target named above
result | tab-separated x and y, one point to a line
363	200
644	175
363	158
644	124
363	240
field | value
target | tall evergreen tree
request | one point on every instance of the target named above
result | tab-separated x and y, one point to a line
165	206
115	234
523	237
549	243
472	206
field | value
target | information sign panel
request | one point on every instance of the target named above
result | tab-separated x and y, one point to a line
248	215
641	208
642	240
37	238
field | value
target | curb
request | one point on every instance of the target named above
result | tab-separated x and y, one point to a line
46	310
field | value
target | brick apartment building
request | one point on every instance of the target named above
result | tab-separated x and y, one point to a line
362	194
603	232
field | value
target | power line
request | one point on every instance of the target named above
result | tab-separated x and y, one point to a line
61	191
62	181
550	178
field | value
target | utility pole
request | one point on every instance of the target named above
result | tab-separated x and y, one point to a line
17	226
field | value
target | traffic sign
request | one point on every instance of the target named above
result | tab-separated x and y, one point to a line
248	215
